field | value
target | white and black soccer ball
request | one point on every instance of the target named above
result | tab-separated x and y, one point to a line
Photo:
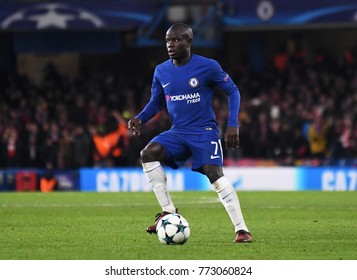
173	229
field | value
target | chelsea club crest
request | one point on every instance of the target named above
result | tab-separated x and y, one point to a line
193	82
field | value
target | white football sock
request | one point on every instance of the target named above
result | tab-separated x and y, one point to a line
157	178
230	201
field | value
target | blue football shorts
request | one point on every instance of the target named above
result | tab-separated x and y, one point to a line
203	148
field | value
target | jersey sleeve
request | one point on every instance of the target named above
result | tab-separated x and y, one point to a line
226	84
156	102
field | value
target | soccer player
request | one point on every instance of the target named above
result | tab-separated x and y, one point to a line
186	83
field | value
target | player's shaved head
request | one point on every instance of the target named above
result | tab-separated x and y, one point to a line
179	42
181	29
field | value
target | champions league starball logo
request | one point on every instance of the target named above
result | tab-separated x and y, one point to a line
51	16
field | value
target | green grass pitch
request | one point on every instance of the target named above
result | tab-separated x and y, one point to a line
111	226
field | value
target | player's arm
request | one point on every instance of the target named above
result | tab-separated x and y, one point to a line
153	107
231	135
225	83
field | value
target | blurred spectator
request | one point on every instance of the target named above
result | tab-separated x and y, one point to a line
31	154
49	154
299	144
317	137
11	147
261	132
48	183
82	148
110	143
281	59
65	151
78	111
275	147
345	146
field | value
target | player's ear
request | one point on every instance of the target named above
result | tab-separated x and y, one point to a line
189	42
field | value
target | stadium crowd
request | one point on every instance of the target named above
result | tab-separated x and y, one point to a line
296	111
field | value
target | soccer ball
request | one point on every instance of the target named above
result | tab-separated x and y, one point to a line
173	229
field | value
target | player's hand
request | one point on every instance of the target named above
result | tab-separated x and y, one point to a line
134	125
231	138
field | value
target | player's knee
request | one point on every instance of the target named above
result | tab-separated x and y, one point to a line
213	172
145	155
152	152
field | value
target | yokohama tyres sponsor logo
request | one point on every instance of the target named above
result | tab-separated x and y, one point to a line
190	98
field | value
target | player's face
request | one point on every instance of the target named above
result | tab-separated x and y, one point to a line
178	46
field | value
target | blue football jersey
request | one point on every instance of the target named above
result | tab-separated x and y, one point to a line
188	92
